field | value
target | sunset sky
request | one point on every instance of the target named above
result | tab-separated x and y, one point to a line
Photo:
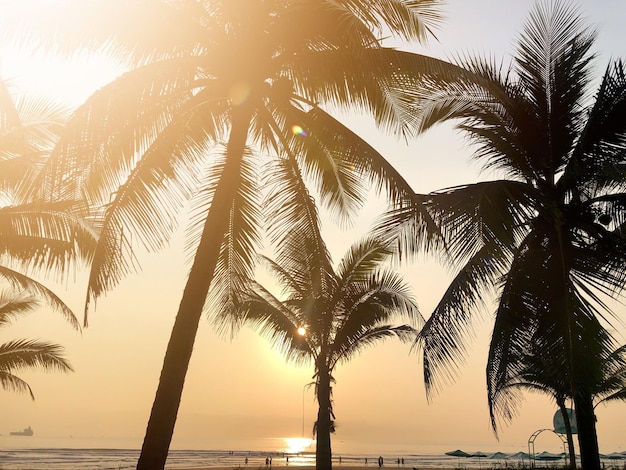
239	387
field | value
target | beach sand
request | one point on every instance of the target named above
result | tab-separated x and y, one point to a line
312	467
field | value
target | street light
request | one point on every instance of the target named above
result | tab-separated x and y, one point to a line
302	331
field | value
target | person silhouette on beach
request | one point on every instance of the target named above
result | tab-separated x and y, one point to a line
380	461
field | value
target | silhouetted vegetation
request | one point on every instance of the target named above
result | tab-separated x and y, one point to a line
38	234
324	316
214	89
212	84
20	354
548	235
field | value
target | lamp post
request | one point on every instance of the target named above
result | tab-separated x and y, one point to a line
302	331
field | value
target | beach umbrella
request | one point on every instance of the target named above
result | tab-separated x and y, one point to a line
548	456
458	453
498	455
478	454
520	455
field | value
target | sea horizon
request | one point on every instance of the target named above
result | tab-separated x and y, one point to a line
294	444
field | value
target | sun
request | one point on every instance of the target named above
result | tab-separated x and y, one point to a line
296	445
70	80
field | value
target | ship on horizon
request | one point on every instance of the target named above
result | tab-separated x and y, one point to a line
24	432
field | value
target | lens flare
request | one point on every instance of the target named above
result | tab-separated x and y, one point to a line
297	130
239	93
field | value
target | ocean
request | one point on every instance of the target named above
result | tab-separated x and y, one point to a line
118	459
40	453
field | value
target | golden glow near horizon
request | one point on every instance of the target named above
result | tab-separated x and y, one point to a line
295	445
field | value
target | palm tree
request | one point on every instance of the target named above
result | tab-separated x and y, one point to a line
547	236
535	372
538	373
544	378
254	76
326	317
36	234
23	353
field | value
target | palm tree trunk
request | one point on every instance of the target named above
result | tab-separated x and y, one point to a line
323	454
568	431
587	436
178	354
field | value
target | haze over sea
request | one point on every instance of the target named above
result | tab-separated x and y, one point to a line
100	453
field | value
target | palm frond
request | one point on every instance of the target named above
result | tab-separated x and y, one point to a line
409	20
355	155
289	204
13	306
241	241
276	321
38	290
147	205
45	236
11	383
382	82
490	213
29	129
443	337
135	33
371	302
22	354
367	338
598	154
361	260
18	354
325	161
410	228
104	136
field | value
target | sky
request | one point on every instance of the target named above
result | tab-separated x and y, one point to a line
238	388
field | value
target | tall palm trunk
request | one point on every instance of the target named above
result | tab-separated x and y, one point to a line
178	354
323	454
568	433
587	435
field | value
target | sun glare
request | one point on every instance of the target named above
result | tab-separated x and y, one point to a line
302	331
296	445
69	79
